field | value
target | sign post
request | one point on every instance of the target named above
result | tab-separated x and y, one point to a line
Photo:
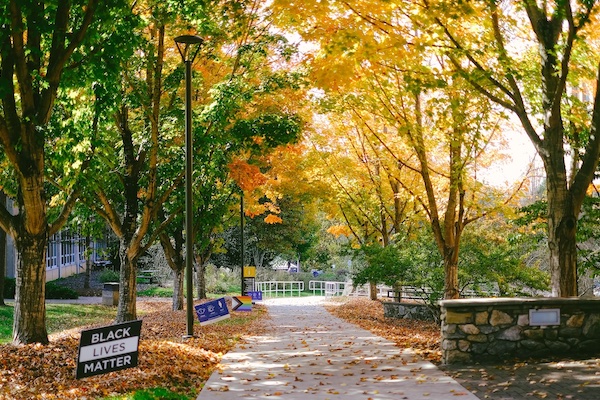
249	277
107	349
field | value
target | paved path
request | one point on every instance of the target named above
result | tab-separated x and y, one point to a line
558	380
311	354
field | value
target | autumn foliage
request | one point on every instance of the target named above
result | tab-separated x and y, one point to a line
165	361
421	336
48	372
247	176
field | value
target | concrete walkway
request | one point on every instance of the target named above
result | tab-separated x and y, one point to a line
311	354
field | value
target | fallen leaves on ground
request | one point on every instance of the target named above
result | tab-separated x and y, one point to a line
48	372
421	336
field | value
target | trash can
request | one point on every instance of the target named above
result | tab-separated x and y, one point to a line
110	294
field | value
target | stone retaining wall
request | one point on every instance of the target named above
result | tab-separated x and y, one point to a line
409	311
500	328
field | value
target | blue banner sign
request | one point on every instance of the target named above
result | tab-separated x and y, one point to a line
255	295
212	311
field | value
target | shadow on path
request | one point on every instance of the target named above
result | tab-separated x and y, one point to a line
311	354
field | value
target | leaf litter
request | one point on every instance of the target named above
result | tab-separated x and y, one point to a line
48	372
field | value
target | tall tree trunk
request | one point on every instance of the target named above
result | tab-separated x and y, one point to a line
173	250
373	290
126	310
178	291
201	280
28	97
451	290
88	261
2	253
562	243
29	323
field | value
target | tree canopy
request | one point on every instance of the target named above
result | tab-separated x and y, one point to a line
372	120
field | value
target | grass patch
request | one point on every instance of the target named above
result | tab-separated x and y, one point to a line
151	394
156	292
167	292
6	321
59	317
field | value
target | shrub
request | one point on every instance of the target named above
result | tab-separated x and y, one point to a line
108	275
9	288
218	288
54	291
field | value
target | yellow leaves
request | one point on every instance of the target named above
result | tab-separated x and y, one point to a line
57	200
339	230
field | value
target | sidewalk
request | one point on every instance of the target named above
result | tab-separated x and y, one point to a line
312	354
558	380
80	300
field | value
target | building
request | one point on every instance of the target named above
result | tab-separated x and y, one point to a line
65	254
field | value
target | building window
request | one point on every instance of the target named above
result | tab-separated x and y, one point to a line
67	254
52	253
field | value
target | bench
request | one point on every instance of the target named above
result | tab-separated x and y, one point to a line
102	264
148	276
410	293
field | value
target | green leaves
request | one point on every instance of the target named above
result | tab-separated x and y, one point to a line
267	131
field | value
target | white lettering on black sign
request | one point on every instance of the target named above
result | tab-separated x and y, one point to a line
107	349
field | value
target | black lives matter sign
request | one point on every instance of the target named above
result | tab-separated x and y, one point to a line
107	349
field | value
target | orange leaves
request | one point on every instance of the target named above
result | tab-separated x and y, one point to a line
273	219
248	177
36	372
422	336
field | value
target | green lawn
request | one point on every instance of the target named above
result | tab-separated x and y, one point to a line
59	317
151	394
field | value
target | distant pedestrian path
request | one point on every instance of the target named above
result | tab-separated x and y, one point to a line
310	354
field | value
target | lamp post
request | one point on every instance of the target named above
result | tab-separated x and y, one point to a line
242	262
185	43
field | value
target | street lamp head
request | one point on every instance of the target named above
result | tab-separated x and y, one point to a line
184	43
189	39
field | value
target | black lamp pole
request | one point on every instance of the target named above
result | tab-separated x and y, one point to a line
242	262
184	44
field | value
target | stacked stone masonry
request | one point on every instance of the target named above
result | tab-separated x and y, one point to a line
417	311
495	329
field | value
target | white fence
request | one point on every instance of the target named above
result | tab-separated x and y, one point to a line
280	288
318	288
331	288
327	288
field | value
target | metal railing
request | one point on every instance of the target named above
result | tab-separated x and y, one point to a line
280	288
327	288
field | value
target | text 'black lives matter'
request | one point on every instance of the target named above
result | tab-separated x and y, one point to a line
107	349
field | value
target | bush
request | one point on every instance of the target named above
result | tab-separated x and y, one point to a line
108	275
9	288
218	288
53	291
221	280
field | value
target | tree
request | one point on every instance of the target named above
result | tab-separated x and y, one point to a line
379	63
41	44
2	255
367	194
136	171
501	65
244	109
